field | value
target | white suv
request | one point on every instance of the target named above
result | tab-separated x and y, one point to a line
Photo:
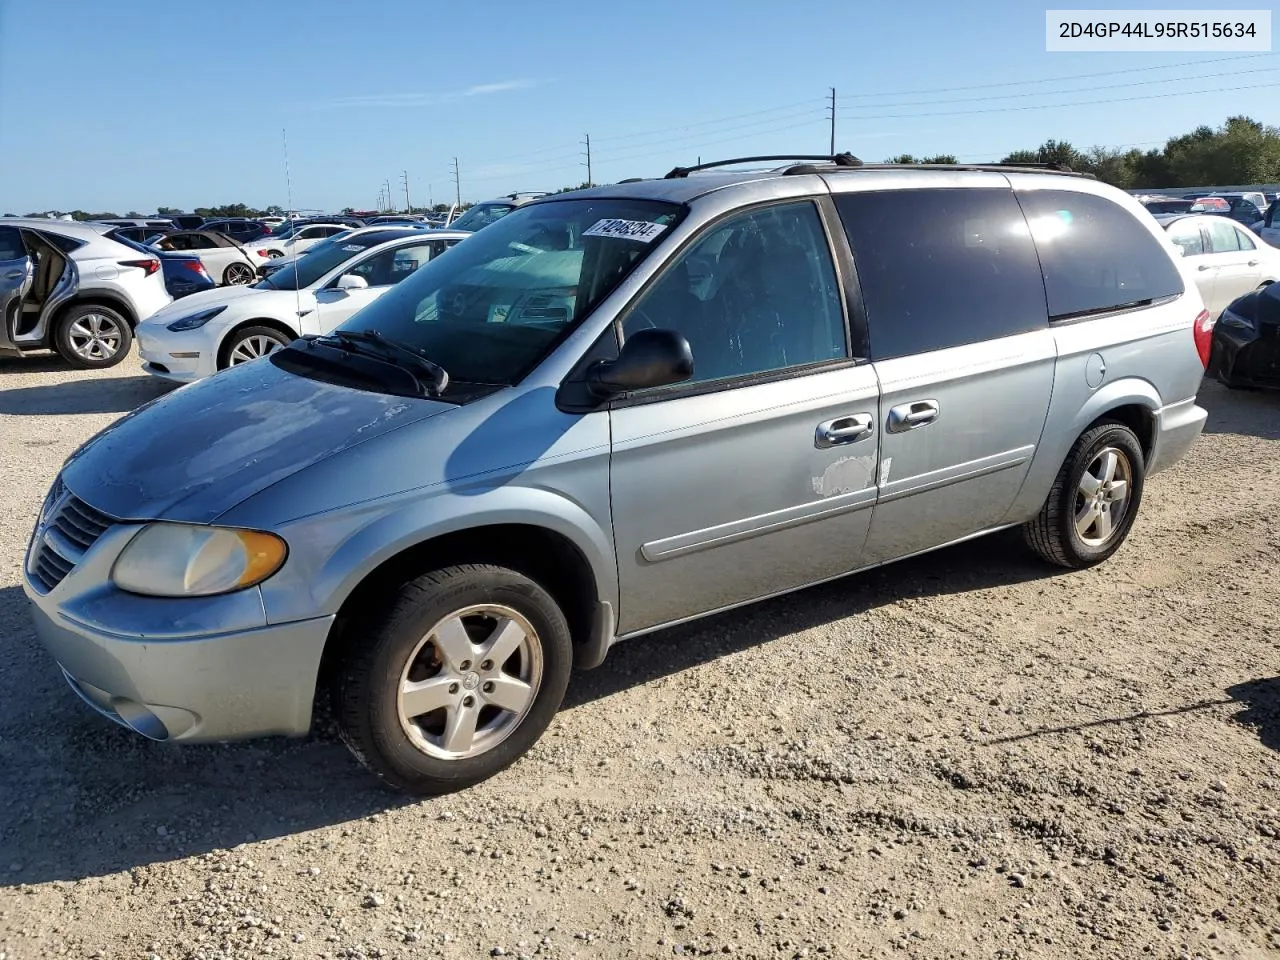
66	287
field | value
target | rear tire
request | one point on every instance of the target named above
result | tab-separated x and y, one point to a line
238	274
459	678
92	337
1094	500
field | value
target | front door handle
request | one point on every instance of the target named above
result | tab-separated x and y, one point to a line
1205	266
1254	263
850	429
908	416
15	274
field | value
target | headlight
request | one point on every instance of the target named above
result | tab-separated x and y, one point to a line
186	560
196	320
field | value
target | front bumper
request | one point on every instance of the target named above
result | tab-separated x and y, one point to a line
182	357
216	687
190	669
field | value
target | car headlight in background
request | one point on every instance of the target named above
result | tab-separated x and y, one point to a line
189	560
195	320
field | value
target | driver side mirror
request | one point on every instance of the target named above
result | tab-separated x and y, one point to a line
352	281
649	358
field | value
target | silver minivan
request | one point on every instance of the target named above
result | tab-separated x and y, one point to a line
609	412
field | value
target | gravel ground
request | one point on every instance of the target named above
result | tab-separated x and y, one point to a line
963	755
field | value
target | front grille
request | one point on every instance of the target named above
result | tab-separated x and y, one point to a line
68	529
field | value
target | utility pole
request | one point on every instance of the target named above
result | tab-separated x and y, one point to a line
390	203
833	121
457	183
588	142
431	197
408	207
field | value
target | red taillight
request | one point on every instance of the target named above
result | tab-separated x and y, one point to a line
195	266
263	254
150	266
1203	331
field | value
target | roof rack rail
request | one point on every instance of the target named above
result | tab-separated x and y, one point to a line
839	160
994	167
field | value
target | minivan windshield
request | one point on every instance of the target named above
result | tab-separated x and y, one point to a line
503	298
481	215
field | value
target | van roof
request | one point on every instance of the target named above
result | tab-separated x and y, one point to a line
684	184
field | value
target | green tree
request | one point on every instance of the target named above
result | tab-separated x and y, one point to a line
170	211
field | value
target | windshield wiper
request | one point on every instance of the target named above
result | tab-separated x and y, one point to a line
438	378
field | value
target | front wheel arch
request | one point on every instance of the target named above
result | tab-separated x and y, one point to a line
224	346
548	558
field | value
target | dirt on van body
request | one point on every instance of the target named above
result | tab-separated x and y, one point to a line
963	755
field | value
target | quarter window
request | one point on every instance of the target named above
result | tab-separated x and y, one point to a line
942	268
756	293
1096	255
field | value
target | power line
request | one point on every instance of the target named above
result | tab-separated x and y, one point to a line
1060	79
1055	106
709	143
811	102
1057	93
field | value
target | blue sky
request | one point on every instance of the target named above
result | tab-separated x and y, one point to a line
136	104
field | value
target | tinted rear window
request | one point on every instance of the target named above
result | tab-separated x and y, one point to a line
11	247
1096	255
941	268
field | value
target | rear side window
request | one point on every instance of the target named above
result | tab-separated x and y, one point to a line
11	247
942	268
65	244
1096	255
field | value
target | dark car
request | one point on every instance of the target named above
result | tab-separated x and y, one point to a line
1246	341
184	273
1160	206
241	231
186	221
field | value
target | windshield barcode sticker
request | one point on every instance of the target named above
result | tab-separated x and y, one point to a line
640	230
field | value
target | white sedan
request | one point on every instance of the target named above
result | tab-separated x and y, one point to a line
298	240
1230	259
199	335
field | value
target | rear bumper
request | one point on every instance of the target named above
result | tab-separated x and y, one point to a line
1177	427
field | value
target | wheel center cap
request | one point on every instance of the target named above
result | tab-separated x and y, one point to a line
471	681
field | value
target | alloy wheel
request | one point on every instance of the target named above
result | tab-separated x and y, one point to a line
1102	497
95	337
239	274
251	348
470	681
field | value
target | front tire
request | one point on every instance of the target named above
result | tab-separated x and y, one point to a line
251	343
93	337
1094	500
457	680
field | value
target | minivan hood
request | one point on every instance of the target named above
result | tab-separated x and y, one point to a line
195	453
